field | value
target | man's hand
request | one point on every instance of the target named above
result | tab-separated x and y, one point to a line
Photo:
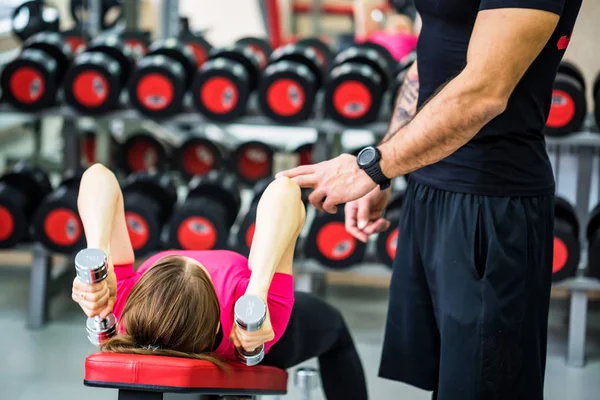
336	181
98	298
364	216
252	340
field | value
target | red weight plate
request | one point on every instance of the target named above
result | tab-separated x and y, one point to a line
250	234
334	242
561	255
7	223
391	243
27	85
155	91
562	110
352	99
199	53
197	233
90	89
142	156
138	229
62	227
198	159
253	162
75	43
219	95
286	97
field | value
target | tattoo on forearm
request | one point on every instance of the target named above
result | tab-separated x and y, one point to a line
406	105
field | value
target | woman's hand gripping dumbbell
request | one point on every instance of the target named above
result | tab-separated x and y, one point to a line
252	329
94	289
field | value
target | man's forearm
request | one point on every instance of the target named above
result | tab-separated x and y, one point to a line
279	219
405	106
448	121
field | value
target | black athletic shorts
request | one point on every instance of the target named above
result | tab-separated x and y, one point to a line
469	295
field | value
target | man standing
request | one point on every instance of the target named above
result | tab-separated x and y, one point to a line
471	282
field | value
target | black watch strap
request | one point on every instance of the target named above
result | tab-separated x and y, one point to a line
375	173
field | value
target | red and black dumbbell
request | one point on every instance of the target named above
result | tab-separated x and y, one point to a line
142	152
31	81
149	200
199	156
137	42
77	39
593	237
56	223
204	220
94	81
22	190
330	244
355	86
33	17
566	241
259	46
162	77
388	240
223	84
245	233
253	161
320	47
569	105
290	83
305	153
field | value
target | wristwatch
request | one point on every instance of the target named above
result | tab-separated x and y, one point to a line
368	160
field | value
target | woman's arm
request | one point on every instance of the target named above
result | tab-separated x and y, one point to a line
279	219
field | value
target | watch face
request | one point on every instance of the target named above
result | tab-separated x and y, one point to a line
366	156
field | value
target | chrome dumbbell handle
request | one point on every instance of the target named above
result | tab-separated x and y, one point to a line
250	313
306	379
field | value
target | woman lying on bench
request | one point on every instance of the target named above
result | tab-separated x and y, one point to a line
181	303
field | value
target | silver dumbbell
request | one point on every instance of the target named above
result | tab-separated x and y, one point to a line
306	379
92	267
250	313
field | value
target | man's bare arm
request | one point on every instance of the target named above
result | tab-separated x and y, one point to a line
406	102
503	45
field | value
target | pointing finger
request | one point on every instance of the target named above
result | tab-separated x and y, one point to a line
301	170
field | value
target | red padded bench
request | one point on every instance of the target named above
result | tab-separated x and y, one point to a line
148	377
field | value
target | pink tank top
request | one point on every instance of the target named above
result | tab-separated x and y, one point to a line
398	44
230	274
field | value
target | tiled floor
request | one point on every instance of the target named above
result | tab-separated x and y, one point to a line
48	363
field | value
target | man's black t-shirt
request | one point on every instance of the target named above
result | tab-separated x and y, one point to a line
508	156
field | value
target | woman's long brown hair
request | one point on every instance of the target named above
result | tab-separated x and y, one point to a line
173	310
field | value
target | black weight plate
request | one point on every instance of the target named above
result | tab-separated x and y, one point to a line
29	82
53	44
141	152
568	108
92	85
157	87
178	51
30	180
353	94
158	187
566	252
321	48
253	161
14	217
259	46
32	17
199	156
593	267
222	187
329	243
383	53
199	224
301	55
245	233
573	71
199	46
115	47
221	90
593	223
137	42
242	55
76	39
144	222
287	92
564	210
365	56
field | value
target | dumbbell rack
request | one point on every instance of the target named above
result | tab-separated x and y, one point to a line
327	145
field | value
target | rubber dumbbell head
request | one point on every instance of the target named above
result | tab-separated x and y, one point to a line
245	233
149	201
356	85
199	46
224	82
321	49
330	244
593	237
137	42
290	83
383	53
305	153
250	313
199	156
22	190
91	266
566	243
596	94
204	220
77	39
569	105
161	79
94	81
142	152
111	12
387	241
253	161
259	46
56	223
32	17
31	81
